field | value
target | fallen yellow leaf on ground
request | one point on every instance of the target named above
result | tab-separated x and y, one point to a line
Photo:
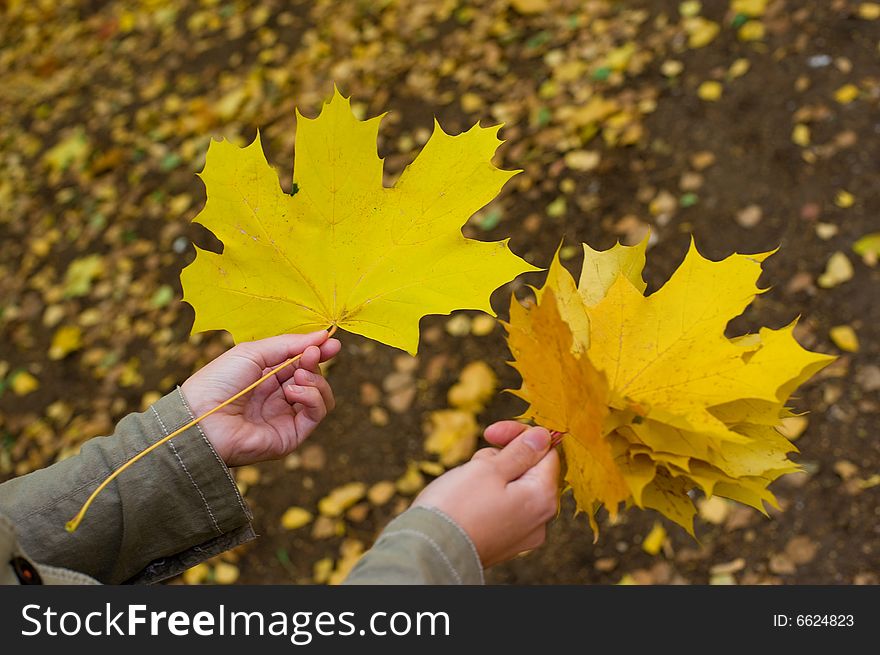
412	481
23	383
80	275
845	338
482	325
801	135
66	340
341	498
248	475
325	527
710	90
869	11
295	517
701	32
582	160
226	573
197	574
714	510
689	8
868	248
72	150
839	269
434	469
476	384
653	543
846	94
844	199
750	8
739	68
322	569
752	30
350	551
530	6
381	492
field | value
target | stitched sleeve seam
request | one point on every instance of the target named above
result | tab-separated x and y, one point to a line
464	534
195	484
214	452
192	480
433	544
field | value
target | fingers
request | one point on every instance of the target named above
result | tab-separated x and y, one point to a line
329	349
310	359
306	378
545	473
308	402
539	487
485	453
275	350
522	453
312	356
503	432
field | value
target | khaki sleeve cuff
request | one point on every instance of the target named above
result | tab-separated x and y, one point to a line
218	517
421	546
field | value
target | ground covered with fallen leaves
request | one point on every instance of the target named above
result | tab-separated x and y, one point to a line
750	123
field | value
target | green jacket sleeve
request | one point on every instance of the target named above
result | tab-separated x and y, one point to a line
421	546
171	510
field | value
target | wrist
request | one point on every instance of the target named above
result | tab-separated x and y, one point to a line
218	444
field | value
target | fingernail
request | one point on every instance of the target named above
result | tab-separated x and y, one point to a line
294	388
538	439
310	377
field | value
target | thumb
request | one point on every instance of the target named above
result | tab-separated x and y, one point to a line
522	453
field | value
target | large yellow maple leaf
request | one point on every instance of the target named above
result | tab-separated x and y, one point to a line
675	404
345	250
567	394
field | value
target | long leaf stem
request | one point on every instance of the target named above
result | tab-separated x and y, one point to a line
74	523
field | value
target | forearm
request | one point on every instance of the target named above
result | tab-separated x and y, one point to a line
170	510
421	546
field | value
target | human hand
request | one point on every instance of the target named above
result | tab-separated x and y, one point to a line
502	498
278	415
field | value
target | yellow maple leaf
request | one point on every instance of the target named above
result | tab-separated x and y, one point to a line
566	394
602	268
655	399
344	249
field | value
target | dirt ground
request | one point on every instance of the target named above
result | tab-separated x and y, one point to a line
123	209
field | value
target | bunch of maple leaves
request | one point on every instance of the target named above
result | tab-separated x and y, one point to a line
652	398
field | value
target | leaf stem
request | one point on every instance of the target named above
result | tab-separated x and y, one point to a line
73	523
